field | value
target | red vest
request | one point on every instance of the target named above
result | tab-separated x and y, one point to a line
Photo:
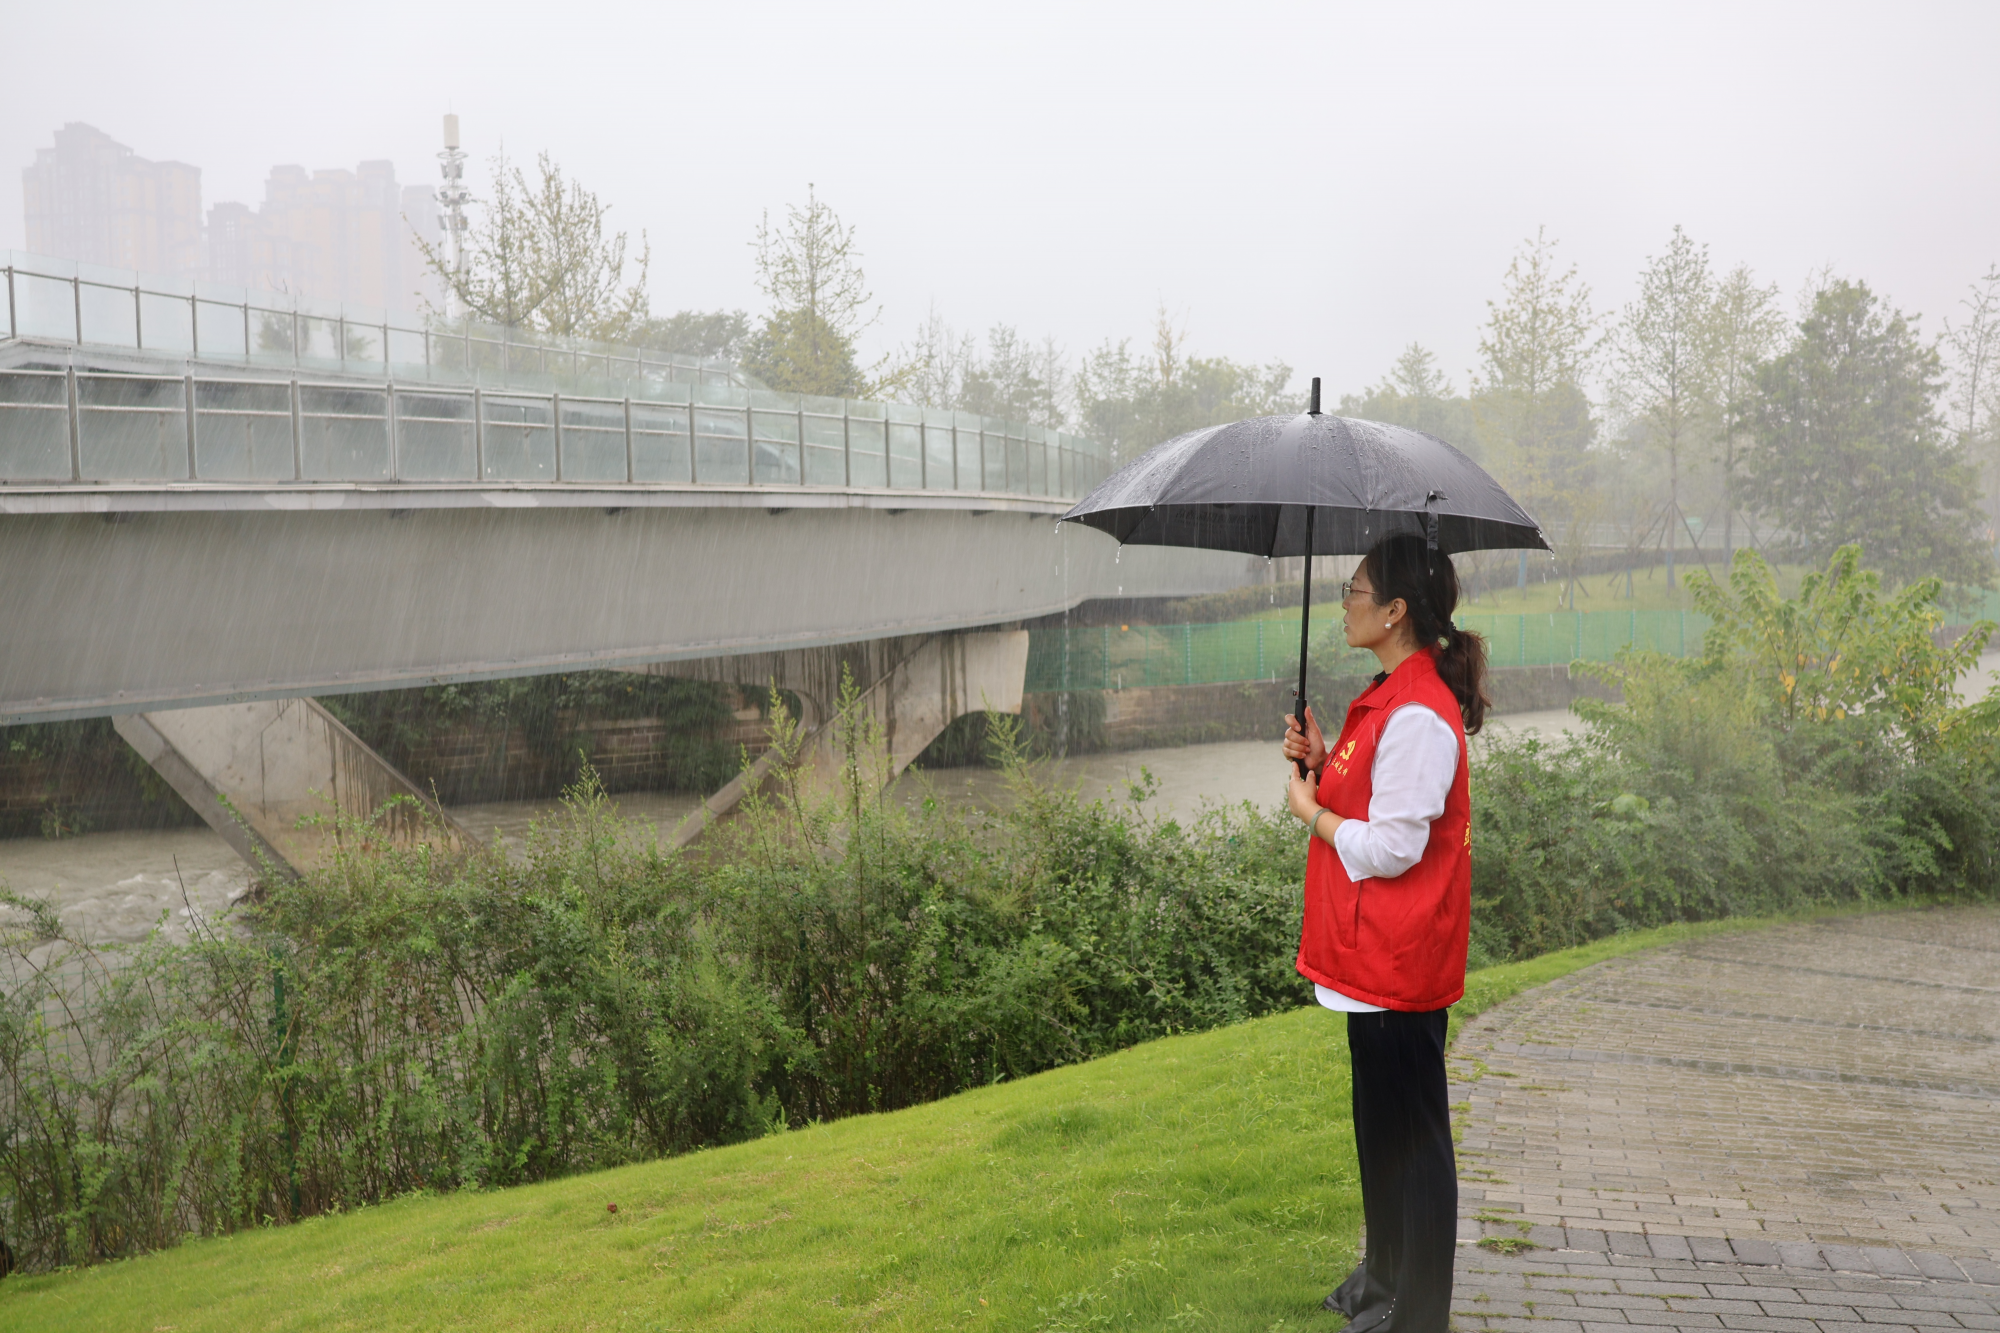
1400	942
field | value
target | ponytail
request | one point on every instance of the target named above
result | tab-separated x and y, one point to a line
1405	566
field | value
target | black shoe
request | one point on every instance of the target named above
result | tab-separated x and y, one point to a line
1365	1305
1373	1318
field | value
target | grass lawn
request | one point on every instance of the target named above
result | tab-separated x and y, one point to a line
1204	1181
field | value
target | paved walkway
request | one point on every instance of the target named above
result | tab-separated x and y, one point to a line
1790	1129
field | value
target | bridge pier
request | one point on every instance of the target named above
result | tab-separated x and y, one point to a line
254	770
910	688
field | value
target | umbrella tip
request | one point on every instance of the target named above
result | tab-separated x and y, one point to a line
1312	404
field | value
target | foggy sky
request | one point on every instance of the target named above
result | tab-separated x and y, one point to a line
1320	182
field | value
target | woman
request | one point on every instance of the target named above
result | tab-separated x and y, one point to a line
1388	903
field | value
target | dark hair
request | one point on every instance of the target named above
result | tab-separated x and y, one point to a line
1405	566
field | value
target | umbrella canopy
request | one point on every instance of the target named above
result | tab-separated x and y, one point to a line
1306	485
1248	486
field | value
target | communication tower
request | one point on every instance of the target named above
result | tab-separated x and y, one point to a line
452	197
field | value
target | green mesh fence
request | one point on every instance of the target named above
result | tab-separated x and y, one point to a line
1107	657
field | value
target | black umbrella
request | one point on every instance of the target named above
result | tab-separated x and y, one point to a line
1306	485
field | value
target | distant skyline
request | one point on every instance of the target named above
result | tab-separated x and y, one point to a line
1320	183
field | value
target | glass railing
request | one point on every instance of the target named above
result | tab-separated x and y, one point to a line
425	400
93	427
61	300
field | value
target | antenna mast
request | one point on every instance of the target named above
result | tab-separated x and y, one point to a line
452	197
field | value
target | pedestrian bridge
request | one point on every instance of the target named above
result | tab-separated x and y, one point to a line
206	499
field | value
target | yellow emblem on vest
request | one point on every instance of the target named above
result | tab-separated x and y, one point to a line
1340	760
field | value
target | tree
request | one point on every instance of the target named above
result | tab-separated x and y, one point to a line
1537	347
810	270
1974	344
1974	347
540	260
1013	378
1745	326
1534	416
709	334
1133	403
1666	363
1847	445
1416	394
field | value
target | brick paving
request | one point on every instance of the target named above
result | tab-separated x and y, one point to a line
1791	1129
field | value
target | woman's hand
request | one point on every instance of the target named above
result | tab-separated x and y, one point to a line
1303	798
1308	745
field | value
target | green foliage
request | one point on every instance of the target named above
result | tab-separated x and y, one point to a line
540	259
1840	649
1847	444
553	718
1204	1179
1814	753
1133	403
796	351
810	270
717	334
488	1022
1417	395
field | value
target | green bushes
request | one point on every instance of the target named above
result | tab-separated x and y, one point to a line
1814	753
445	1025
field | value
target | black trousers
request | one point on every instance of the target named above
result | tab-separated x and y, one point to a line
1409	1177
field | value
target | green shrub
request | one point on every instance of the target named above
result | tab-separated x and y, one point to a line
396	1021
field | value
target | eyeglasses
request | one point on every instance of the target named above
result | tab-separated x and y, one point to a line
1349	587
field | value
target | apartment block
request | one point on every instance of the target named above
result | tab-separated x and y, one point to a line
93	199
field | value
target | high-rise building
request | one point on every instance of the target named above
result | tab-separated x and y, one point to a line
347	236
93	199
332	235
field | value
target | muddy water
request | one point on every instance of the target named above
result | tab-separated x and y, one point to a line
117	886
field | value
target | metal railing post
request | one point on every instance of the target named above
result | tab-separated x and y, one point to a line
298	434
13	324
555	420
628	438
750	442
76	297
478	436
802	439
295	334
395	440
385	346
194	327
138	319
75	425
246	330
694	475
194	473
847	447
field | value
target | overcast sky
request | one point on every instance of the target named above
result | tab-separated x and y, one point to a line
1320	183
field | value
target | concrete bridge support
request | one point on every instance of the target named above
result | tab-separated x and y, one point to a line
254	770
910	688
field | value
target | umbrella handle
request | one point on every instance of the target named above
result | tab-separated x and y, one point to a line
1299	712
1305	623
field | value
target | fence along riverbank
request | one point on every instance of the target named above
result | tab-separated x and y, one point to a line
1115	657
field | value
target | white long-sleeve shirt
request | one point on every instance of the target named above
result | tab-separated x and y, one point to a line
1415	762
